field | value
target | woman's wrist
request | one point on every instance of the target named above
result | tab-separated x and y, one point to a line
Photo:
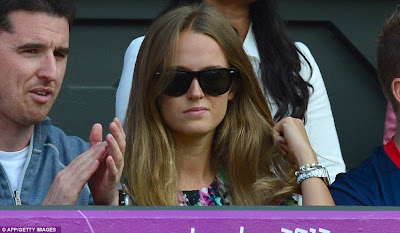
310	159
313	170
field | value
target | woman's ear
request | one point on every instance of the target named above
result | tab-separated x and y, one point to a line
232	92
396	89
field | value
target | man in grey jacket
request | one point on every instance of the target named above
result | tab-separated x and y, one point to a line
39	164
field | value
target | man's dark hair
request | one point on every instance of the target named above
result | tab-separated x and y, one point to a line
57	8
388	56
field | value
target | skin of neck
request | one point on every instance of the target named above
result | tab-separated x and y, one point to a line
397	133
193	161
236	12
13	137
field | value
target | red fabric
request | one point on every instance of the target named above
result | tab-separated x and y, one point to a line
393	152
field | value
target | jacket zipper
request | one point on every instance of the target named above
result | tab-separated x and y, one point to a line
17	198
15	194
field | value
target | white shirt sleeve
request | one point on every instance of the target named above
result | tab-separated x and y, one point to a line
125	83
320	125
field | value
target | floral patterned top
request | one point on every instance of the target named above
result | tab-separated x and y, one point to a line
213	195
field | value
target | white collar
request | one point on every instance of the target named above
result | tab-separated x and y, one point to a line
250	46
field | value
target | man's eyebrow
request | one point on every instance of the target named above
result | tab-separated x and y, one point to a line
63	50
31	46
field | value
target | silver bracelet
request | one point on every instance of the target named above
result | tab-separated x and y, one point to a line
312	170
307	167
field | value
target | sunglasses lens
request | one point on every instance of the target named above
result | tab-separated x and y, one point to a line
213	82
216	82
179	85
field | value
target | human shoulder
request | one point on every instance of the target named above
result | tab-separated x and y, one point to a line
370	183
54	139
303	48
125	83
57	135
134	46
309	69
379	160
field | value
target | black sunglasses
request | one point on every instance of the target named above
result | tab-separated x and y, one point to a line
212	81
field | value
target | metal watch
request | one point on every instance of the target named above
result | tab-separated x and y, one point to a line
320	172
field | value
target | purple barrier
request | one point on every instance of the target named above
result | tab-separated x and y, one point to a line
193	221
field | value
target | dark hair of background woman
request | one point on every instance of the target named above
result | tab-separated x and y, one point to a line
280	62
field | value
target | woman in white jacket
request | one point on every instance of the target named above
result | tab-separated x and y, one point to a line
286	71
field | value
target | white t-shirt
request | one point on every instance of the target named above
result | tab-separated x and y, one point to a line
13	163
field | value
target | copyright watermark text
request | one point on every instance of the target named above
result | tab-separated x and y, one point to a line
30	229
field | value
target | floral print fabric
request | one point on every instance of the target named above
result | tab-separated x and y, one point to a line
212	195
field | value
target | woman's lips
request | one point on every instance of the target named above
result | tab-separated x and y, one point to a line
196	111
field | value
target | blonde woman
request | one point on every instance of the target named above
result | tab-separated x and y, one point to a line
286	70
199	130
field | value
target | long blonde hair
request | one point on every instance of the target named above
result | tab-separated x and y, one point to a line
243	144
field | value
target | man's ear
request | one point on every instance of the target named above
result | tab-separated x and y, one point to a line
396	89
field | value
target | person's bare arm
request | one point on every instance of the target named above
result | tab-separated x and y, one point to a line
295	144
